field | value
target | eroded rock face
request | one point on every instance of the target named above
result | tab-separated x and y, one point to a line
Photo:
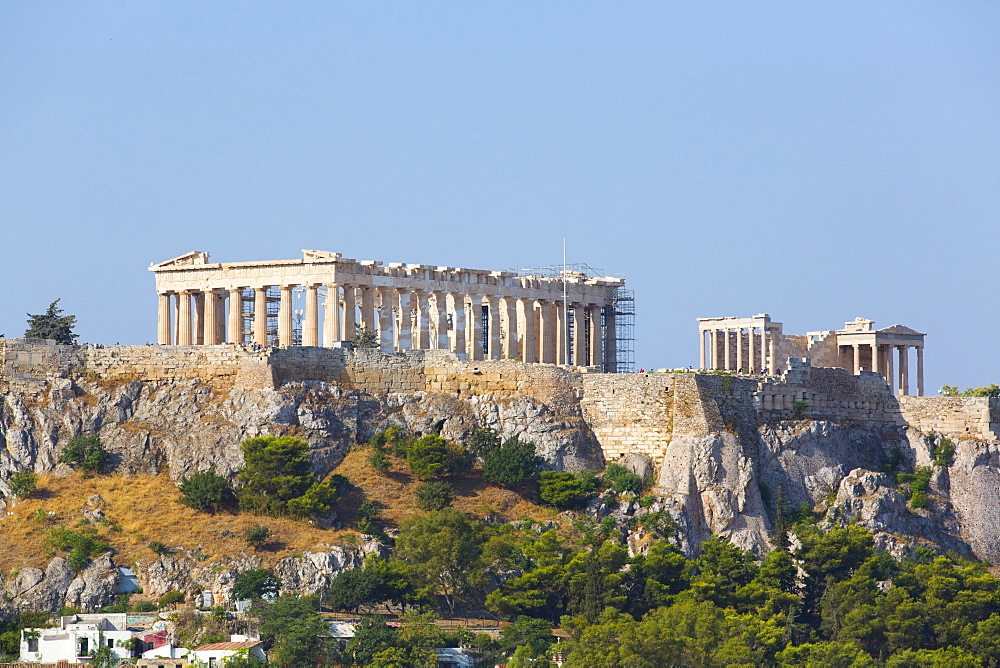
185	427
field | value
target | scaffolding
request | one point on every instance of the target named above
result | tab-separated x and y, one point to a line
619	315
623	311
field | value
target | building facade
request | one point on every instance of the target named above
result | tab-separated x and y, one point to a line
757	343
76	638
323	299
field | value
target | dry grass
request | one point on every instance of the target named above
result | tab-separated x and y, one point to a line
146	508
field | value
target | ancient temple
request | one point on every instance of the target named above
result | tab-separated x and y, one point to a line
475	313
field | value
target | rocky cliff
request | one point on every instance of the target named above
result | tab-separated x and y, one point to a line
725	447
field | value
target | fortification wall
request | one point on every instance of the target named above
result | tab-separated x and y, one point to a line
629	413
634	413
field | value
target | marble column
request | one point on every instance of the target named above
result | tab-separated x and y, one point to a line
331	319
404	320
763	347
421	328
727	359
739	348
527	330
511	329
890	378
456	305
163	320
875	364
211	325
441	319
920	371
579	336
285	317
751	338
235	315
904	370
385	318
495	349
701	348
220	316
260	315
596	349
474	326
310	323
350	313
367	308
857	359
713	349
198	326
562	333
547	332
184	318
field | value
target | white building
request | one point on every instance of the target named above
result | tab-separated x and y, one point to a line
76	638
215	655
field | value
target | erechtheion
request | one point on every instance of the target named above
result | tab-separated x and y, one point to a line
477	314
758	343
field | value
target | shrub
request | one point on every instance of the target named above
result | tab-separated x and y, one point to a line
435	495
158	547
566	490
368	514
944	453
511	462
170	598
379	461
23	483
920	482
206	491
257	535
86	453
80	545
620	479
144	606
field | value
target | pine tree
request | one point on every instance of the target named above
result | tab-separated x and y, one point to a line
51	325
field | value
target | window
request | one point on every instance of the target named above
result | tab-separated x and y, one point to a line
211	662
111	644
84	646
32	644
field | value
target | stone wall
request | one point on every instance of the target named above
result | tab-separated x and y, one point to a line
956	417
629	412
633	413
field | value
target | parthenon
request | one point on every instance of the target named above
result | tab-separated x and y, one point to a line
474	313
757	343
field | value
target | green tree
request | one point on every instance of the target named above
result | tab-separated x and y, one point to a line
205	490
442	547
566	490
435	495
277	479
23	483
86	453
365	338
79	544
294	630
51	325
991	390
510	462
256	583
371	637
170	597
427	456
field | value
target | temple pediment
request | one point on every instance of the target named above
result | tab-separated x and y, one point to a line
186	260
899	329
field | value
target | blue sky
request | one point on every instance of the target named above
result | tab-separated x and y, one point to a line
813	161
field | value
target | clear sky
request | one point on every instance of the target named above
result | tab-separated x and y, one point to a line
816	161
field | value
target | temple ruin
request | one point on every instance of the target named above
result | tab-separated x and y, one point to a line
474	313
757	343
